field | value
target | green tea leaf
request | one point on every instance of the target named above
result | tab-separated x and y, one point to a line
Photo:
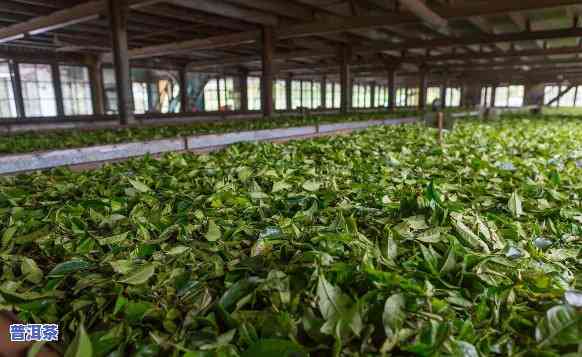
81	345
140	276
213	234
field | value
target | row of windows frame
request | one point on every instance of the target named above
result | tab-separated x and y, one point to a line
506	96
570	99
304	93
32	90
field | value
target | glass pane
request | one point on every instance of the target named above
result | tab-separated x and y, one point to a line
37	90
254	93
567	100
501	96
7	102
76	89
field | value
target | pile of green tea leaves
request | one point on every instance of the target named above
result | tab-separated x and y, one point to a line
376	243
67	139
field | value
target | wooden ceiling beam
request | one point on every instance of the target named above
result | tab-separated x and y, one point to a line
62	18
422	11
281	8
228	10
366	22
473	40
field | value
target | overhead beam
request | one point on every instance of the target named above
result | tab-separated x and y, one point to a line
560	95
422	11
286	8
197	44
80	13
359	23
345	81
228	10
418	44
267	78
118	11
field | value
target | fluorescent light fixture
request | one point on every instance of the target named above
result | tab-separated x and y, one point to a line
64	24
12	38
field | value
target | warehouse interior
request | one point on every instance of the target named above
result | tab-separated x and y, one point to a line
60	59
290	178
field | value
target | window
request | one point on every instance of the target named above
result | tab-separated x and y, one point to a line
486	96
337	95
412	97
453	97
361	96
306	92
381	96
219	95
158	90
578	101
332	95
432	94
226	94
76	88
254	93
140	97
38	92
572	98
316	95
568	98
357	96
516	94
7	103
110	91
280	95
400	97
211	103
509	96
501	94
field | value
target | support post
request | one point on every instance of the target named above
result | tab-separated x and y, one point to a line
373	95
97	91
391	88
422	87
346	87
17	87
118	11
493	91
184	90
288	92
323	92
58	89
244	90
267	79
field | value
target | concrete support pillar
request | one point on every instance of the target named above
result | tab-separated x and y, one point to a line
391	88
183	90
288	93
324	92
17	87
345	80
267	80
118	11
97	90
58	89
244	89
471	94
422	79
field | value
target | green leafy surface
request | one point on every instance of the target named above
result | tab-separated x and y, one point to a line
376	243
65	139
